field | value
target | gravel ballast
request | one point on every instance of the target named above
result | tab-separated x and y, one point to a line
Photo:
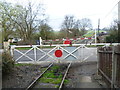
21	76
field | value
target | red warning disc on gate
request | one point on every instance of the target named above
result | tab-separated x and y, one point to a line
58	53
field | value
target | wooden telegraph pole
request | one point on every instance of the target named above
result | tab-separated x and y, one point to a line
98	26
119	22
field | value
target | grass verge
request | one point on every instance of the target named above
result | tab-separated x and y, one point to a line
23	64
94	45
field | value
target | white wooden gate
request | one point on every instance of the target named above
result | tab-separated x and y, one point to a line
36	54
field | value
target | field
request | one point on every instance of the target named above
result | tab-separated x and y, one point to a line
92	32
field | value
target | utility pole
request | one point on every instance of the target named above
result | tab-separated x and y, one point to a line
98	26
95	37
119	22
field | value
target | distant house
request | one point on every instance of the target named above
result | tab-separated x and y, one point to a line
103	33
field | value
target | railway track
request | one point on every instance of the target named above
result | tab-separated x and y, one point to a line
36	81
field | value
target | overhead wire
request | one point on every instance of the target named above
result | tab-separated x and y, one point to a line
111	9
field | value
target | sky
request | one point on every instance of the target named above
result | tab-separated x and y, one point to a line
105	10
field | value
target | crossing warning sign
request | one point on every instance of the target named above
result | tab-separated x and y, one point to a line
58	53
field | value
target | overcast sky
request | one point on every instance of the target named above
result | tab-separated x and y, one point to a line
106	10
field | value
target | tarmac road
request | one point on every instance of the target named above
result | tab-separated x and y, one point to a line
82	75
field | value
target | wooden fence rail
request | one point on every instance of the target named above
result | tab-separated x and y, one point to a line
109	64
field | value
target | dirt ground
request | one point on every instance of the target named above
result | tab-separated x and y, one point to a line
22	76
80	75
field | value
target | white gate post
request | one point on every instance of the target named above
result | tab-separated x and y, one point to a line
35	53
40	41
58	57
12	51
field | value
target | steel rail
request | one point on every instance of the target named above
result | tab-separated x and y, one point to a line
62	82
33	83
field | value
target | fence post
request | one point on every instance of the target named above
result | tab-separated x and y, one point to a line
114	67
98	58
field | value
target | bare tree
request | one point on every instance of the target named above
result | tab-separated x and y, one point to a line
7	25
76	27
83	24
68	24
27	20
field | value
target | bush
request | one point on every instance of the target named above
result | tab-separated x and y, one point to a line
113	37
7	62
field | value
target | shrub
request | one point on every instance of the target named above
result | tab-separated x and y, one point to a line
113	37
7	62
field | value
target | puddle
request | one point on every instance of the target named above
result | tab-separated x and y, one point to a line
46	85
85	79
